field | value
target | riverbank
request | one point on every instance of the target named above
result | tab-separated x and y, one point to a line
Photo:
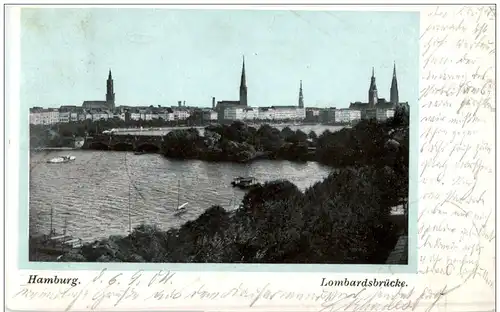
63	134
367	143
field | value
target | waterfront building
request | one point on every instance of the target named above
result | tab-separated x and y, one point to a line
44	116
241	103
135	116
383	114
347	115
73	116
327	115
288	113
64	117
238	113
312	114
100	115
109	103
181	114
270	113
234	113
209	115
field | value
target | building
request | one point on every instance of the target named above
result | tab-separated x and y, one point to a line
181	114
64	117
379	108
100	115
288	113
209	115
109	103
327	115
73	116
242	103
383	114
44	116
312	114
346	115
272	113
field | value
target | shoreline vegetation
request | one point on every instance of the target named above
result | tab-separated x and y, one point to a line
346	218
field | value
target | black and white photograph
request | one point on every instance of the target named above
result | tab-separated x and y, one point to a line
162	135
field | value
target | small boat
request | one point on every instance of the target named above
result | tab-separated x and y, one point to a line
54	243
61	159
244	182
181	209
139	153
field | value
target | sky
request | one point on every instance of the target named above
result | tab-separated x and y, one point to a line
159	56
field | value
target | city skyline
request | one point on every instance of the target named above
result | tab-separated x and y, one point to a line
213	70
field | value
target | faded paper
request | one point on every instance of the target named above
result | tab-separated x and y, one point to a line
456	231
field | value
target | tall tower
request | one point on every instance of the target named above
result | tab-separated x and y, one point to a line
394	88
243	86
110	95
372	92
301	96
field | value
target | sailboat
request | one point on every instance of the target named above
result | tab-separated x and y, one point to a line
55	243
181	209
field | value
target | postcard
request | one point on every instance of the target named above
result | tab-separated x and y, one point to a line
250	157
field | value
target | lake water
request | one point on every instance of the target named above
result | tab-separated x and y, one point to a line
93	194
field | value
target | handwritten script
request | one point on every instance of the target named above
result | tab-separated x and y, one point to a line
456	210
164	288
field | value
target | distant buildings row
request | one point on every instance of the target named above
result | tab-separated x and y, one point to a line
40	116
64	114
224	111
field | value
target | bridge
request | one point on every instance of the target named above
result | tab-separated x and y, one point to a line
146	143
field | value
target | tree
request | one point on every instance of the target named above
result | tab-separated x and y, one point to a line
312	135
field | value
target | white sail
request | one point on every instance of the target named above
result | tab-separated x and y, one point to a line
183	206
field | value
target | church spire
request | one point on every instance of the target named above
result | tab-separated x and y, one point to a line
301	96
243	85
372	92
110	94
394	87
243	82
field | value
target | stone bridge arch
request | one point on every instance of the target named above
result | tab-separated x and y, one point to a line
149	147
98	145
123	146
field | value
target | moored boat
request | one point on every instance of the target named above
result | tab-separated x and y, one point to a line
61	159
54	243
244	182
